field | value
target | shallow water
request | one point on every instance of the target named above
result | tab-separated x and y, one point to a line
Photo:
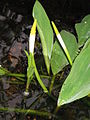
15	24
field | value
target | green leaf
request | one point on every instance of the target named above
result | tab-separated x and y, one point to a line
59	60
86	44
77	84
45	31
2	71
83	30
30	69
86	19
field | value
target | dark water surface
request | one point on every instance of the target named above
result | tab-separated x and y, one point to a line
15	23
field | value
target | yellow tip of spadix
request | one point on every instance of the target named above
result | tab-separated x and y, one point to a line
55	28
33	29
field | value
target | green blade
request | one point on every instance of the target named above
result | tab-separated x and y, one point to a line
45	31
59	60
77	84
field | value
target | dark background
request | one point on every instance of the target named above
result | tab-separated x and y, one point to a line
54	8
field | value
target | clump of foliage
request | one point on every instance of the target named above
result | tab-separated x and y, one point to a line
59	54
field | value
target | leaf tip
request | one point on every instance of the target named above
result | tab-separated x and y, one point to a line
33	29
55	28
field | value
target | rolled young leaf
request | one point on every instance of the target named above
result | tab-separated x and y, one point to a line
59	59
30	69
62	43
32	37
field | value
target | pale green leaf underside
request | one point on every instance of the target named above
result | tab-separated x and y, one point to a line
77	84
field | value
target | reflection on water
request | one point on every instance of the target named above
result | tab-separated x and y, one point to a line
15	23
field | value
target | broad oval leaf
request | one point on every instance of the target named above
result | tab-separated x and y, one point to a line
77	84
58	59
45	31
83	30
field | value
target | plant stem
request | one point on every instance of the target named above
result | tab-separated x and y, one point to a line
18	76
38	77
21	79
52	83
15	82
56	110
40	81
47	62
28	111
15	75
45	76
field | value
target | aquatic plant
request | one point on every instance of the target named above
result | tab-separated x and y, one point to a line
57	55
60	58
